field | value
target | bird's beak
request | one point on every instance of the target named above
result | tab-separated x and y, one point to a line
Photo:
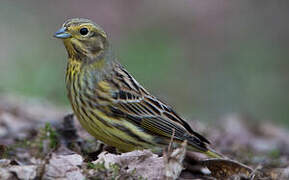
62	34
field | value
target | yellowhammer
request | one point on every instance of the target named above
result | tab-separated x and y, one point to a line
110	104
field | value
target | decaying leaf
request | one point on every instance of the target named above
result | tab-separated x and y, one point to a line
273	174
24	172
24	147
64	167
173	161
223	168
132	165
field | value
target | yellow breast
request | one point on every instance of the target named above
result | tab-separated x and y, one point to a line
112	131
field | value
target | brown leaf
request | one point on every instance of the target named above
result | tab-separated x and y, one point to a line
223	168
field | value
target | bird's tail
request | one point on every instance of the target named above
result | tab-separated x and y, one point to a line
213	154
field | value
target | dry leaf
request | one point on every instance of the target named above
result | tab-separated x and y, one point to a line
223	168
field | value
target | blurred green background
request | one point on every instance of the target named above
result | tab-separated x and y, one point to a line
206	58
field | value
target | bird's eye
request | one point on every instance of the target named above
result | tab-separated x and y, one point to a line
83	31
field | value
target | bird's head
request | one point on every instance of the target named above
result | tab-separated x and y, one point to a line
83	39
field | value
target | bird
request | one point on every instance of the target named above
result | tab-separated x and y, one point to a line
110	104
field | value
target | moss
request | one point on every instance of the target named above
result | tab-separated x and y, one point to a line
51	135
275	153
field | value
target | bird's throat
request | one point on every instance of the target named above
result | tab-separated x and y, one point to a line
79	51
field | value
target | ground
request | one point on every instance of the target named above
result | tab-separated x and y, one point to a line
39	140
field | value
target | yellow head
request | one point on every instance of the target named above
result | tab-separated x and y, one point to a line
84	40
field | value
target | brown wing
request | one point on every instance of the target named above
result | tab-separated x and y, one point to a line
133	102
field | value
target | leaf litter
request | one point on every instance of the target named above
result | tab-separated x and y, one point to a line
37	141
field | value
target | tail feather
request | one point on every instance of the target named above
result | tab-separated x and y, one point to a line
213	154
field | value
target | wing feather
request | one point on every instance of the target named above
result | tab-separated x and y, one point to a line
132	102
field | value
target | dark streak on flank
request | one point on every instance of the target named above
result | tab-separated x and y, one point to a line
82	101
78	82
130	133
84	111
98	119
124	141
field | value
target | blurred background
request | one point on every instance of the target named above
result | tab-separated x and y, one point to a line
206	58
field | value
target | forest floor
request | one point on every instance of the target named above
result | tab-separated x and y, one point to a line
39	140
